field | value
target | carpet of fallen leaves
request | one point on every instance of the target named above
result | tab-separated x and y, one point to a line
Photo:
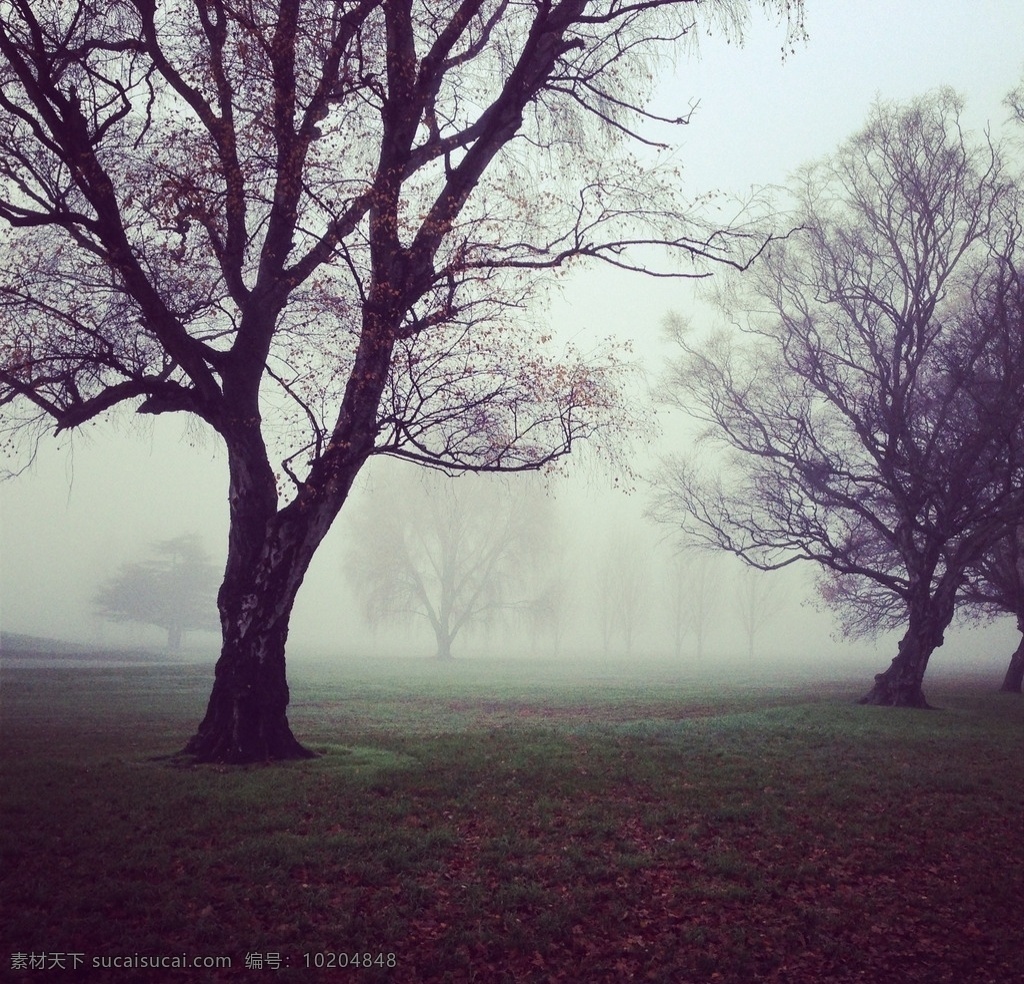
557	845
623	869
668	922
665	918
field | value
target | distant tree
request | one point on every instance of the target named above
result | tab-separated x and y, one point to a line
677	596
622	587
632	593
605	603
758	598
1015	102
547	584
316	227
694	587
450	551
871	423
175	590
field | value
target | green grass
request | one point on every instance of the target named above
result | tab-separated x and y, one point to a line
505	823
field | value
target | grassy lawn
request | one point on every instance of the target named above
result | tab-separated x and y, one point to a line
480	822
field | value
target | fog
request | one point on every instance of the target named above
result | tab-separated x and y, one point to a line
89	506
94	500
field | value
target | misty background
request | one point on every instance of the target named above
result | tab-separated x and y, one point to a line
100	498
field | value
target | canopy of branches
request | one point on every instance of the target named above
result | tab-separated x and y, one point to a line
870	405
287	210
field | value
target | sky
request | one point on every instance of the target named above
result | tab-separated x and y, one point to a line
95	499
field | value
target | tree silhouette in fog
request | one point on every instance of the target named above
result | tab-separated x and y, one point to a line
622	587
694	585
454	553
868	398
758	599
175	589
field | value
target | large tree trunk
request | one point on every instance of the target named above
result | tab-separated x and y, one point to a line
901	684
268	555
246	719
1012	682
444	638
269	550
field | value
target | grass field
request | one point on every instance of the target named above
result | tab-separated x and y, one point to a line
488	822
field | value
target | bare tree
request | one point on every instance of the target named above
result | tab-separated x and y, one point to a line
632	591
550	601
996	583
605	604
315	227
451	551
877	398
992	586
694	594
678	608
1015	103
758	598
622	588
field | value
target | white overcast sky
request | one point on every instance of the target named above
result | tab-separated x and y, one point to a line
759	118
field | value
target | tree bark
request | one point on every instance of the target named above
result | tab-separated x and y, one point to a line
901	684
269	550
1012	682
1014	679
246	719
268	555
444	643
